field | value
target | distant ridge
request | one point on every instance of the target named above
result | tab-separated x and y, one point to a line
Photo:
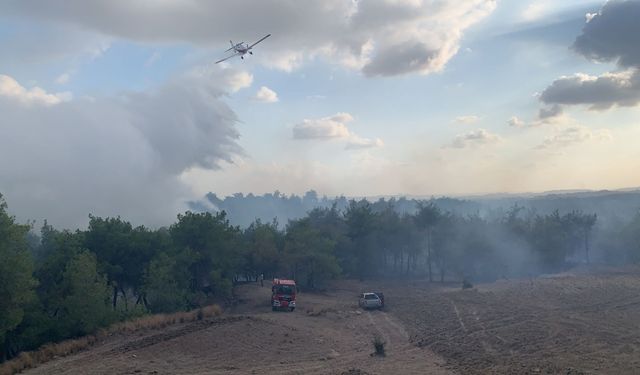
243	209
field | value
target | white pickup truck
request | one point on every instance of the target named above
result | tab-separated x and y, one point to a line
371	301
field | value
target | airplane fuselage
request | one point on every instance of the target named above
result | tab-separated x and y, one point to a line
241	48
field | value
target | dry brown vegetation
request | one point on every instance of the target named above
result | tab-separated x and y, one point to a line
320	311
48	352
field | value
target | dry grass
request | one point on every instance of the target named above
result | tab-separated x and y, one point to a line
322	311
47	352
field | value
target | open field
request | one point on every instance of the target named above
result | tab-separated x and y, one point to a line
574	323
567	324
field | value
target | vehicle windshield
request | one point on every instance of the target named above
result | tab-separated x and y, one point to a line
370	296
285	289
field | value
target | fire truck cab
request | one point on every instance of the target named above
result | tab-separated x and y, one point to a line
283	294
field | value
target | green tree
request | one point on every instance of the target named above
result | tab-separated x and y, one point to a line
166	283
85	304
264	248
216	250
389	235
361	228
627	240
123	253
427	218
581	225
16	274
445	241
331	225
309	255
550	240
110	240
45	319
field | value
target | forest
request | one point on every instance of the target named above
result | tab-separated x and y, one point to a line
58	284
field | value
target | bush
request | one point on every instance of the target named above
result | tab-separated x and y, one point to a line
466	284
378	345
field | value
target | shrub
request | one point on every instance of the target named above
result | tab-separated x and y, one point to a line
378	345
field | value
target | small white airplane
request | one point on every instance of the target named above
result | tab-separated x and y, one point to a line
242	49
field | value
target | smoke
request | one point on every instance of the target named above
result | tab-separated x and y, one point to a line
121	155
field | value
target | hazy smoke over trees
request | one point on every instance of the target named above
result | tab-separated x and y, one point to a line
114	270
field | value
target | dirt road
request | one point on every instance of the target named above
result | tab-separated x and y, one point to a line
327	334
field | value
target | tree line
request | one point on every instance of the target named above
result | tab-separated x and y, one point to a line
58	284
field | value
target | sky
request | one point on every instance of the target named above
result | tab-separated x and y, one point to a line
117	107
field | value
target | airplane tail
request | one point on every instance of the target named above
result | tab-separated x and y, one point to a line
232	46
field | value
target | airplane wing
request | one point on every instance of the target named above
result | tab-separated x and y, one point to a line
263	38
227	58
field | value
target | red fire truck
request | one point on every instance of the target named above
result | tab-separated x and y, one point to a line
283	294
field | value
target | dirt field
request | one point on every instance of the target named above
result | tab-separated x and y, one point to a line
327	334
577	323
567	324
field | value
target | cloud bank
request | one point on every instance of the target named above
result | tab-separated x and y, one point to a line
380	38
611	35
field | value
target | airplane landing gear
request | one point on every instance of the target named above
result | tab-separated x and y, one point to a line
251	53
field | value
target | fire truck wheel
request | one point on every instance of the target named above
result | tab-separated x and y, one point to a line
291	308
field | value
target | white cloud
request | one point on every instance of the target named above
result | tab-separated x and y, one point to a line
110	156
10	88
238	80
589	16
516	122
382	38
332	127
358	143
479	137
469	119
155	56
599	92
63	78
574	135
536	10
266	95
